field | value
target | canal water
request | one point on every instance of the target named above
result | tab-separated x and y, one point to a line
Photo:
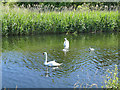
23	60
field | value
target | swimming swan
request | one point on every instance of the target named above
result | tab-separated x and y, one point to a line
91	49
66	43
51	63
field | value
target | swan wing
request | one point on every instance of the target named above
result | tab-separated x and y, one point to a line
56	64
53	63
66	44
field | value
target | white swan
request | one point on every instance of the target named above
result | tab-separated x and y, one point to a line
66	43
51	63
91	49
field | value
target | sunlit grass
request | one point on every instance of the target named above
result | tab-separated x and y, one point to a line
22	21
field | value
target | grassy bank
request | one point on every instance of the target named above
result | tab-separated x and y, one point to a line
22	21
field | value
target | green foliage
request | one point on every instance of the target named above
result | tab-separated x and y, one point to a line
111	81
22	21
62	4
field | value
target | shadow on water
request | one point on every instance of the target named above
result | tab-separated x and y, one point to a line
26	52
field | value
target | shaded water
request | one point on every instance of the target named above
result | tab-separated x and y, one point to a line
23	62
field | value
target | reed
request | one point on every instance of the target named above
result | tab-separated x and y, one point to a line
28	21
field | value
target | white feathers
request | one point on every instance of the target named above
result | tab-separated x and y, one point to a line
50	63
91	49
66	43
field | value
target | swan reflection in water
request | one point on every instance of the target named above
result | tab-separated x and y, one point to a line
65	51
47	74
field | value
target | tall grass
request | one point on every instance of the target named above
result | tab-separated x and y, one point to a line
22	21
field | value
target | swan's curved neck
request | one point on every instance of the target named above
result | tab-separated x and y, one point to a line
46	57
